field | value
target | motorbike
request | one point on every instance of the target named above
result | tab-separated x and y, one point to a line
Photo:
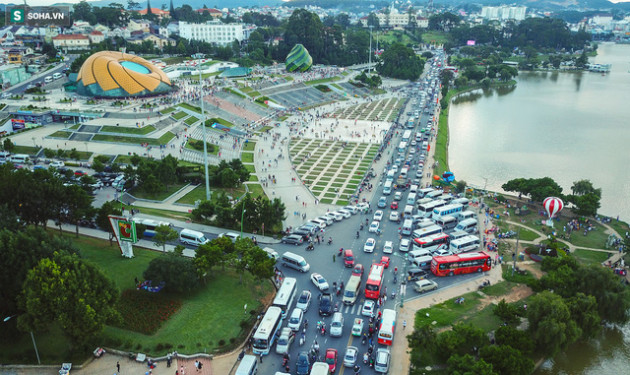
310	247
357	234
330	241
484	284
302	339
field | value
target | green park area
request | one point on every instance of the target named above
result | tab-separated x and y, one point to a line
435	37
160	195
164	139
199	193
179	115
128	130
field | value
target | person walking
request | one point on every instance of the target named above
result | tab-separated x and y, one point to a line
118	367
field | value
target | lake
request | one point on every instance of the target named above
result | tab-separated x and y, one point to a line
567	126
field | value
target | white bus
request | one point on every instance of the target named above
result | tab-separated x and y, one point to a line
449	209
387	328
265	334
411	199
285	296
428	231
426	209
402	147
432	243
406	136
423	192
387	188
447	222
422	201
464	244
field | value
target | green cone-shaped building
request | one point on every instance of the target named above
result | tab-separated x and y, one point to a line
298	59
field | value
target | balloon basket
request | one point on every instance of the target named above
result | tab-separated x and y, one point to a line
549	223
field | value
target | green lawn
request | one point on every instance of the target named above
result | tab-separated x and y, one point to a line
212	148
75	127
29	150
247	157
264	129
179	115
249	146
199	193
167	110
164	139
436	37
219	120
590	256
322	80
127	130
447	313
170	190
396	37
191	120
174	60
61	134
162	213
190	107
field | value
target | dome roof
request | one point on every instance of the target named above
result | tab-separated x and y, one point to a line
117	74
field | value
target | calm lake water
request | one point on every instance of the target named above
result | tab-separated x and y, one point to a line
567	126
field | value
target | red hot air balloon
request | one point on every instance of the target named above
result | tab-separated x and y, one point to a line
553	206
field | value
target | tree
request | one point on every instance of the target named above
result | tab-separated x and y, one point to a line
73	294
306	28
373	21
132	5
207	256
460	186
550	323
468	365
8	145
77	204
462	339
506	360
171	11
508	335
102	217
399	61
537	188
584	312
506	312
177	273
585	205
164	234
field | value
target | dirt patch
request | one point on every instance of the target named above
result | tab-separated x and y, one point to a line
533	269
516	294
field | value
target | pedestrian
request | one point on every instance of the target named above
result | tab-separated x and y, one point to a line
334	258
117	367
261	358
197	365
181	370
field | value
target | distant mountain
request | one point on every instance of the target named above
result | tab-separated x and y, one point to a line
545	4
196	4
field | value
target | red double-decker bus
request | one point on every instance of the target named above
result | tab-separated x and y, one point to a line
461	263
374	281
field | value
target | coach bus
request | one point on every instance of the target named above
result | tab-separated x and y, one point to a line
464	244
285	296
432	243
449	209
374	281
265	334
462	263
402	147
426	210
406	136
388	326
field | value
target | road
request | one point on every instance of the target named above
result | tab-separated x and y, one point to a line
38	78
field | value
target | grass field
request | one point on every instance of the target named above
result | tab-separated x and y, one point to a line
322	80
219	120
249	146
396	37
162	213
127	130
191	120
590	256
29	150
167	110
171	189
190	107
164	139
61	134
179	115
199	193
435	37
247	157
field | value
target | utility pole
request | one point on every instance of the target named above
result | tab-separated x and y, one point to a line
370	55
203	130
515	255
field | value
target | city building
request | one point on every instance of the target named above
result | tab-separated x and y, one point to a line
215	13
215	32
503	13
71	41
96	37
159	41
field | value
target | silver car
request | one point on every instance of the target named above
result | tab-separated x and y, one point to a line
381	364
350	358
283	344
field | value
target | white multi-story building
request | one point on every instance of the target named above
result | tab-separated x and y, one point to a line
215	32
503	13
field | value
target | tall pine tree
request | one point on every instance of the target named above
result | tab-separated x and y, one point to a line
149	7
171	10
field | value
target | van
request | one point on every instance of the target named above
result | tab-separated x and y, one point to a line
467	225
390	175
422	193
434	194
413	189
48	79
248	365
271	253
458	234
404	172
336	326
463	201
415	274
407	227
192	237
424	223
295	261
387	188
348	258
352	290
411	199
57	76
408	210
446	197
425	145
320	368
20	159
447	222
433	229
418	253
422	201
424	263
467	215
5	156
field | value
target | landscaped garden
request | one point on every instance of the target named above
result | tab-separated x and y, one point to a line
128	130
380	110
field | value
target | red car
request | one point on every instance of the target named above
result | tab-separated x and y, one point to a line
394	205
80	173
331	359
385	261
358	270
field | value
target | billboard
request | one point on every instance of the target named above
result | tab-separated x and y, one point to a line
470	43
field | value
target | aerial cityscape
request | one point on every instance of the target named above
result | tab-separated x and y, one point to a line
314	187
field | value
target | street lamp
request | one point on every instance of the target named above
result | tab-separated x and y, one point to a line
242	216
39	362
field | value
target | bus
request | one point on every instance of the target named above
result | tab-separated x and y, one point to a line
150	226
374	281
426	210
427	231
285	296
433	242
387	328
449	209
461	263
352	290
406	136
402	147
464	244
265	334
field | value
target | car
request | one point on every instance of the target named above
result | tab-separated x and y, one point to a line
388	248
319	281
363	206
398	196
350	358
405	243
327	219
295	319
352	209
381	361
331	359
424	285
294	239
413	142
310	227
56	164
368	308
320	223
231	235
38	167
385	261
336	326
382	202
357	327
394	205
441	252
283	344
337	215
303	364
304	301
325	304
394	216
369	246
304	233
378	215
79	173
374	227
357	270
345	213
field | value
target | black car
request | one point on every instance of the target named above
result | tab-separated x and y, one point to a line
302	232
325	304
294	239
303	364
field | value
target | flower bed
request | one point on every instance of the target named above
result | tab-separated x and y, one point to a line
145	312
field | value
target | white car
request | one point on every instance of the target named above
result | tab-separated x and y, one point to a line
345	213
388	248
338	216
231	235
369	246
441	252
283	344
363	206
57	164
329	220
352	209
319	281
378	215
295	320
368	308
394	216
381	364
357	327
404	245
304	300
374	227
397	196
350	358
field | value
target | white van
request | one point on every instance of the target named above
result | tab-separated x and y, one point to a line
390	175
57	76
418	253
320	368
423	192
411	199
447	222
467	225
48	79
387	188
192	237
336	327
271	253
425	145
424	223
20	159
5	156
248	365
458	234
295	261
413	188
408	210
463	201
434	194
467	215
424	263
407	227
433	229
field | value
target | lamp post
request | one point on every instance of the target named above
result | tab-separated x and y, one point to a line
39	362
242	216
203	131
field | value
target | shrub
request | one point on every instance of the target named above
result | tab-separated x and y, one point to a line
262	99
221	342
145	312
